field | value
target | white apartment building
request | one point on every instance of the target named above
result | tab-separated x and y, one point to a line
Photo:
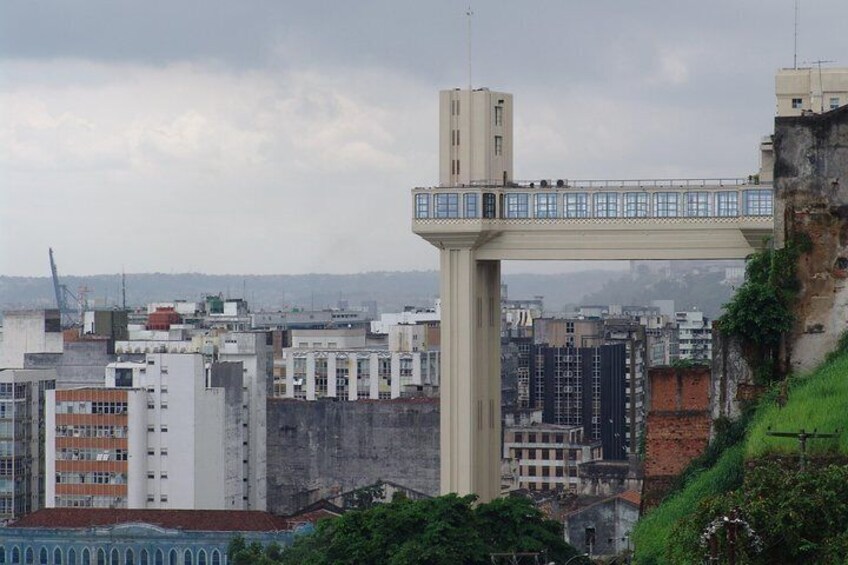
694	336
340	364
475	137
410	316
166	433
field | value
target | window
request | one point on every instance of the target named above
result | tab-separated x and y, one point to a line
471	207
489	205
666	204
129	557
454	137
201	557
187	558
422	205
796	103
86	557
606	204
636	205
72	557
757	202
143	558
727	204
29	555
42	556
446	205
577	205
834	103
216	557
172	557
160	558
546	205
517	205
101	556
697	204
115	557
2	554
498	115
498	145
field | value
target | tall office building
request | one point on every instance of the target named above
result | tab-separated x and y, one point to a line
475	137
22	421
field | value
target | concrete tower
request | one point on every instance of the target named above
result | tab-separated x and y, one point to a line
475	137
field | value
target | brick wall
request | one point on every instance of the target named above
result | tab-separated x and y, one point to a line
677	428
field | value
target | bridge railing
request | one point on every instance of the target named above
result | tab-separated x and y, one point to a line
588	199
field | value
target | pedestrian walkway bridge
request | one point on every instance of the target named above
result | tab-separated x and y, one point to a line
599	219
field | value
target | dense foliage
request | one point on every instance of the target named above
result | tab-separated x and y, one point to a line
444	530
761	310
798	517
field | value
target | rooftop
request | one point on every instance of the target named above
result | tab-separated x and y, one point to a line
189	520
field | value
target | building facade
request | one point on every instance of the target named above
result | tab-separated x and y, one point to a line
166	433
694	336
22	428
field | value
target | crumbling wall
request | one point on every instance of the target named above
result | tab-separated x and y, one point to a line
811	198
324	448
678	426
732	377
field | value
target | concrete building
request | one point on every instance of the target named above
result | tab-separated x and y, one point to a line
810	89
22	423
475	137
166	433
547	456
694	336
603	529
96	536
410	315
29	331
344	364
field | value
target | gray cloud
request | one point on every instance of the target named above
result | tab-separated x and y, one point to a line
283	137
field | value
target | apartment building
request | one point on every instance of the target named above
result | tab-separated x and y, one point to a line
547	455
694	336
166	433
22	457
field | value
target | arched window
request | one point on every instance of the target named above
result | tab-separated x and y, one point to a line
142	558
57	556
172	557
160	557
72	556
42	556
216	557
86	557
201	557
129	557
16	555
187	560
101	556
29	556
2	554
115	557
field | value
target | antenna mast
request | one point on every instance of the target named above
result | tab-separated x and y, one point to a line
795	48
469	13
123	289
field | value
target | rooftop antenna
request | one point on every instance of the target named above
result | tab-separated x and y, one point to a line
469	13
123	289
795	50
819	63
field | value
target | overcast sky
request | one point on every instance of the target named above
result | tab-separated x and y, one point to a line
248	136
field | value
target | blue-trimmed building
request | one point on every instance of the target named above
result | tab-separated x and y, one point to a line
102	536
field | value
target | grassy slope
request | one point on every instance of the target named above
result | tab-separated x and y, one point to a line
819	400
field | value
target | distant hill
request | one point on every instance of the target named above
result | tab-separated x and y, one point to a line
391	289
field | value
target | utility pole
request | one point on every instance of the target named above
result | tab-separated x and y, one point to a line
802	436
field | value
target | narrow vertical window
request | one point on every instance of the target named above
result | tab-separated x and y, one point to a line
498	115
498	145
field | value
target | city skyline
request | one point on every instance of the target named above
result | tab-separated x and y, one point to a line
262	139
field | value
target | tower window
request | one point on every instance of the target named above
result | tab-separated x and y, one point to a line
498	145
796	103
498	115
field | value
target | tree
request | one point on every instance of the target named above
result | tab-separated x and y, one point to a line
440	531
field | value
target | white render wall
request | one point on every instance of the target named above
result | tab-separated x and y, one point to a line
23	332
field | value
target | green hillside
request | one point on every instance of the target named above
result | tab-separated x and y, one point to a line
800	516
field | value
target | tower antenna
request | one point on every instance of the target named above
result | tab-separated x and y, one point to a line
795	48
469	13
818	63
123	289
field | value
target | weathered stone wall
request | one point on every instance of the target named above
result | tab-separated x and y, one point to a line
732	378
811	197
678	426
324	448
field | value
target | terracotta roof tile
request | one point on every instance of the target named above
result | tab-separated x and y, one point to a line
631	496
189	520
